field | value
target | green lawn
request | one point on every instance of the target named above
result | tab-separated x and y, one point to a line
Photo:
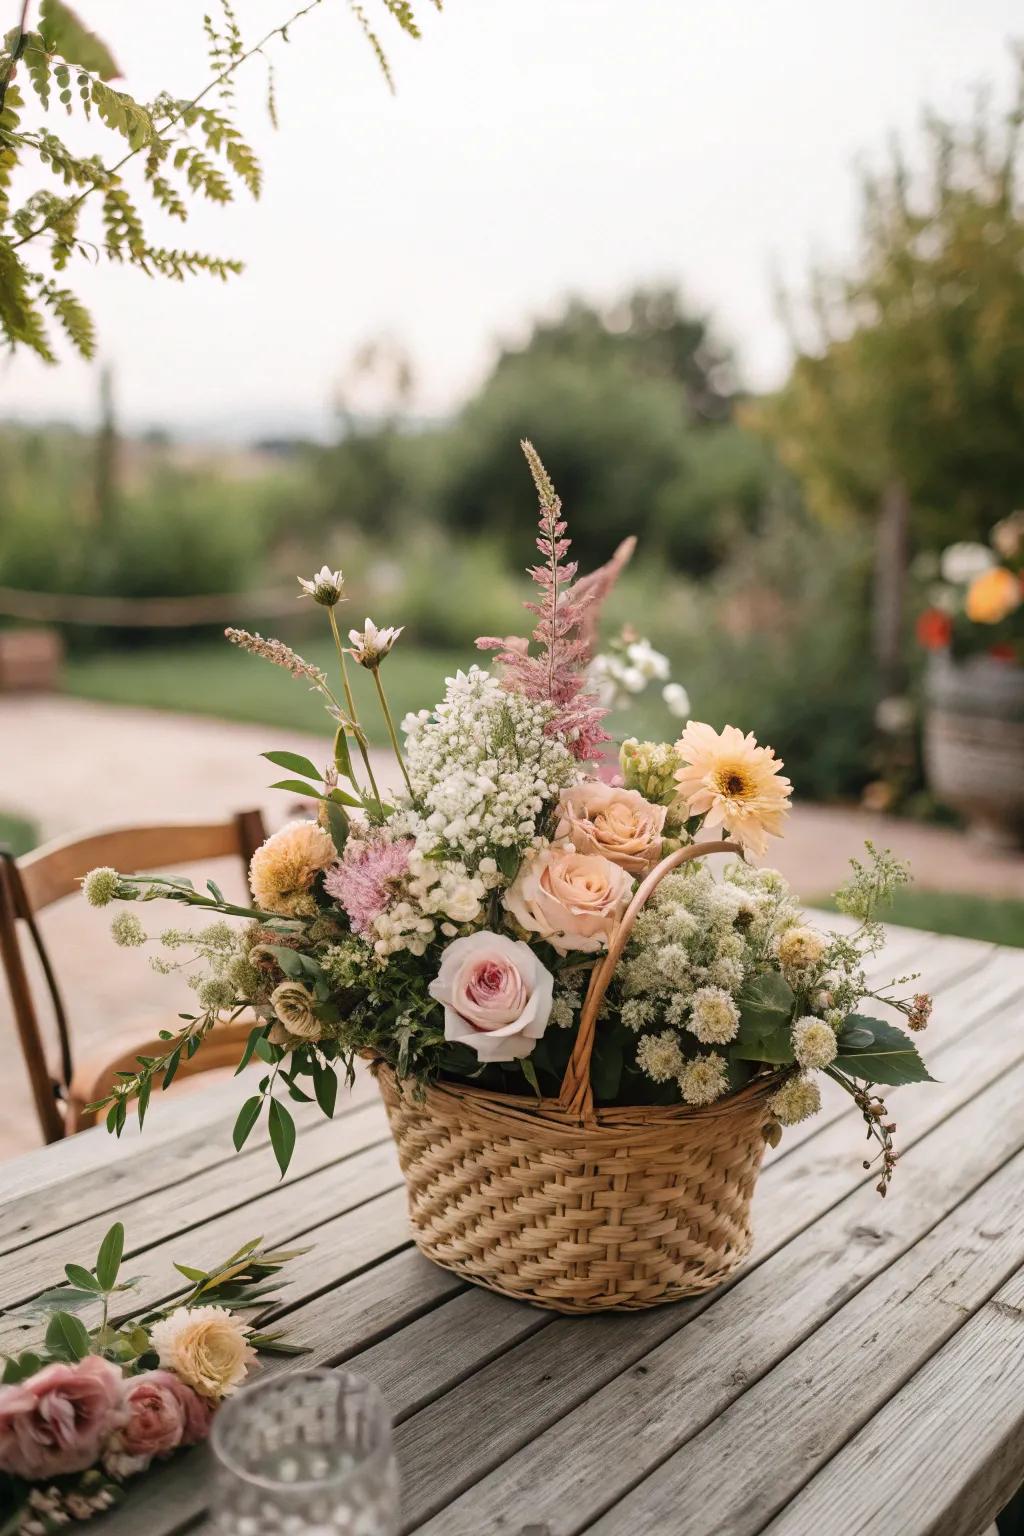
998	921
215	678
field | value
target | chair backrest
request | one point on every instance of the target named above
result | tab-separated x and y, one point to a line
38	879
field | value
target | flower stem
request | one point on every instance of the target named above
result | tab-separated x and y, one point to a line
391	729
358	731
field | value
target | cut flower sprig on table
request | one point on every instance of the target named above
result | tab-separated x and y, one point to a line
109	1390
455	929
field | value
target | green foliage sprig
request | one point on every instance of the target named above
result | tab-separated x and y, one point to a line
186	148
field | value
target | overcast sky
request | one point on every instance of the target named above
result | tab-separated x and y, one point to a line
534	147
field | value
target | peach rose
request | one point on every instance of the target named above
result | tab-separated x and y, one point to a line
56	1421
496	995
573	900
617	823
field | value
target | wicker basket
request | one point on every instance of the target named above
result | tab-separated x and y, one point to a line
576	1208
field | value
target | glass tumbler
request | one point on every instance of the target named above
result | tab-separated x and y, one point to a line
307	1453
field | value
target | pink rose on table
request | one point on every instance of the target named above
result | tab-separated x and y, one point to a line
573	900
617	823
496	995
163	1413
57	1420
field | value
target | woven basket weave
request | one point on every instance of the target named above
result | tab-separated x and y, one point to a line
576	1208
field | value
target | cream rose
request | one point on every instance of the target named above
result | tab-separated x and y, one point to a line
614	822
496	995
208	1347
573	900
292	1001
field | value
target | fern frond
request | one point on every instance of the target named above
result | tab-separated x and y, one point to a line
176	264
374	42
20	318
201	174
124	114
37	62
73	317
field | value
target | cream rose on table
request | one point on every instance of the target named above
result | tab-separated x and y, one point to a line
617	823
208	1347
496	994
573	900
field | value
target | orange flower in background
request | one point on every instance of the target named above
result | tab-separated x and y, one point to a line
993	595
934	629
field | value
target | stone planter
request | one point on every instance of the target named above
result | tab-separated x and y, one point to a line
974	743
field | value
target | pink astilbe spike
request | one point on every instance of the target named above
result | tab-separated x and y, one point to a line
556	673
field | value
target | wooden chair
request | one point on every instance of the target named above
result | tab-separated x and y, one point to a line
48	874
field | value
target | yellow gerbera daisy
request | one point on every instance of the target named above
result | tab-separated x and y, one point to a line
733	783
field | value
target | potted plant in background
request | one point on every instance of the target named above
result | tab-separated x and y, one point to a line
973	630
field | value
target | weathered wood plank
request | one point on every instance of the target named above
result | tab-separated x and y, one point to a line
809	1405
86	1175
947	1451
345	1162
542	1377
670	1392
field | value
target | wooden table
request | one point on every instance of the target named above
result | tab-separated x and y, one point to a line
864	1372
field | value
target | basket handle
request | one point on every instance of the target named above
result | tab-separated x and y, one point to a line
577	1096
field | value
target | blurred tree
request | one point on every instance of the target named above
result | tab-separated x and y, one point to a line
107	455
633	406
906	403
176	143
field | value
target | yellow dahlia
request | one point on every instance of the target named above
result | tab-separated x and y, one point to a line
733	783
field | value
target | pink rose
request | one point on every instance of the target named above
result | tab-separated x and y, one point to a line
57	1420
163	1413
573	900
617	823
496	995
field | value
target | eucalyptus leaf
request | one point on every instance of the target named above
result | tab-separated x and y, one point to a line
325	1086
295	763
67	1337
246	1119
282	1134
108	1260
81	1279
298	787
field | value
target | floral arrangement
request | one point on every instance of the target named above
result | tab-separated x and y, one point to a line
976	596
92	1407
451	929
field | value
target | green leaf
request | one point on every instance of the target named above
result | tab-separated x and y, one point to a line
295	763
67	1337
855	1036
173	1062
508	861
766	1009
891	1058
108	1260
197	1276
298	787
343	754
81	1278
530	1073
256	1034
337	823
606	1061
20	1367
325	1086
64	33
264	1050
247	1117
282	1134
